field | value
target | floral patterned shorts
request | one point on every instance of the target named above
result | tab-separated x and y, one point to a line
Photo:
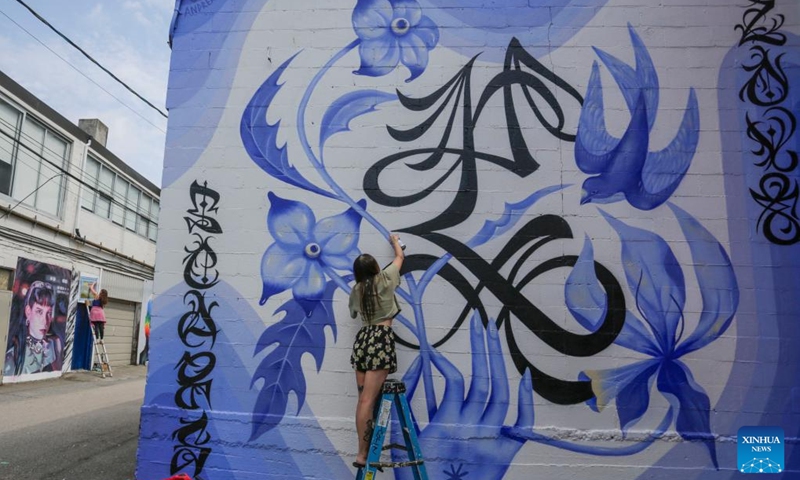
374	349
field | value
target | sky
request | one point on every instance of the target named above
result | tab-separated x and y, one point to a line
128	37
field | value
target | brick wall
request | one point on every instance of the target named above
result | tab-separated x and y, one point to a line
598	202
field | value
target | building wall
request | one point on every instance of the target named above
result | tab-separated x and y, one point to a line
71	237
598	201
71	216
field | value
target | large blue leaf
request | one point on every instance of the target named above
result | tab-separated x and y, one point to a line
675	381
717	281
295	335
585	298
347	107
655	278
260	137
512	213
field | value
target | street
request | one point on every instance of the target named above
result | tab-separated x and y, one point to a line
78	427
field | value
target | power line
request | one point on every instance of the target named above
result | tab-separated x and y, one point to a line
148	220
56	168
20	130
83	74
28	195
42	19
111	200
31	240
108	191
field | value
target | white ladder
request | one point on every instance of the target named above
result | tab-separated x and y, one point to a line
101	355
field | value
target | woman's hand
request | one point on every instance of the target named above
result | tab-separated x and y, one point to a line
464	436
394	239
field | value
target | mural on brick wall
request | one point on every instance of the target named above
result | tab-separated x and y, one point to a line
574	293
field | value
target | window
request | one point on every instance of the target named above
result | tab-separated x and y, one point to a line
120	194
91	171
132	213
105	186
6	278
152	231
153	227
9	123
32	160
48	197
111	196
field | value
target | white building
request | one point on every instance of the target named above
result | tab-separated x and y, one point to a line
68	201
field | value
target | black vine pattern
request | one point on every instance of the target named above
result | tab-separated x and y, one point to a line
197	331
774	125
541	89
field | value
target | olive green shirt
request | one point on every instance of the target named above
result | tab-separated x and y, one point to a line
387	307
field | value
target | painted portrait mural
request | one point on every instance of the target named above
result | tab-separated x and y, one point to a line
37	329
599	200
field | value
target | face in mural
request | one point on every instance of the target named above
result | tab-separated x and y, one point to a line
557	301
38	318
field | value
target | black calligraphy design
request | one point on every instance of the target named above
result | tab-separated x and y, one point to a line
771	123
541	90
197	331
758	28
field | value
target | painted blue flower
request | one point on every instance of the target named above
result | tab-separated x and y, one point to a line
305	248
656	281
390	32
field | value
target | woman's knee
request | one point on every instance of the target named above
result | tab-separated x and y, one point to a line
367	401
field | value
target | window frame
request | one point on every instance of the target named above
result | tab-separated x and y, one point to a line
33	145
143	220
10	283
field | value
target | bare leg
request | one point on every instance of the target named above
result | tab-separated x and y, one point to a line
360	383
373	383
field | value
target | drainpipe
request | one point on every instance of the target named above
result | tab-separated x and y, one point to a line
80	185
173	24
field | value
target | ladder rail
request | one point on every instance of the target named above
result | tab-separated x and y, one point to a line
393	396
101	354
409	434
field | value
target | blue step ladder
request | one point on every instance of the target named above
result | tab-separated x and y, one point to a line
394	392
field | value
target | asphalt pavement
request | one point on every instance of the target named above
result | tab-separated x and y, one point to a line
77	427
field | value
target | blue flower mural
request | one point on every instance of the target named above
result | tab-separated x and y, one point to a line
305	249
467	431
657	328
625	168
393	32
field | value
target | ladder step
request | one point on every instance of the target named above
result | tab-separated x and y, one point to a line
101	356
410	463
395	446
393	386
